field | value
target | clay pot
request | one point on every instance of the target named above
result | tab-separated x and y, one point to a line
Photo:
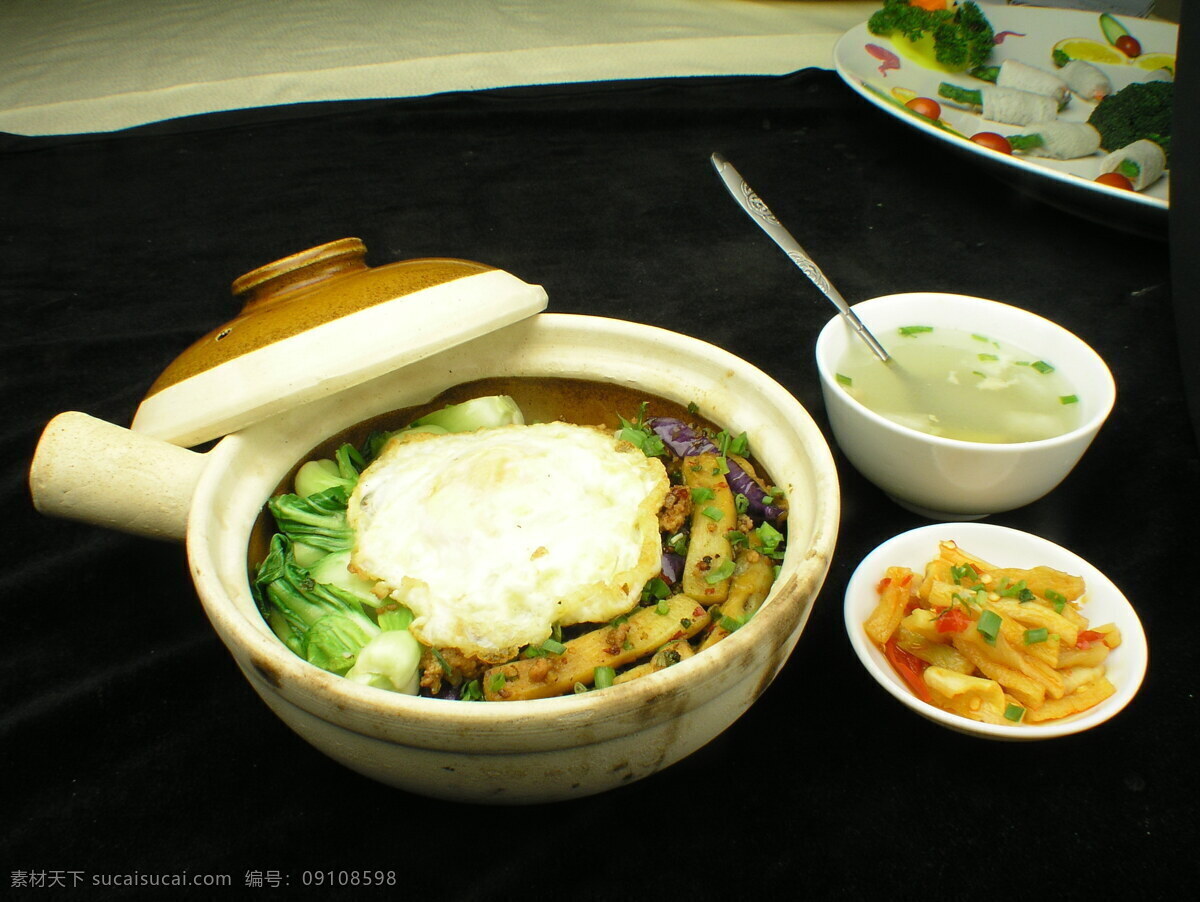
409	332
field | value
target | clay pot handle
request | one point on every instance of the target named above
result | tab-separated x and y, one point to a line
90	470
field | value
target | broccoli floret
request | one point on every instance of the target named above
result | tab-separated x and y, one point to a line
1141	110
962	35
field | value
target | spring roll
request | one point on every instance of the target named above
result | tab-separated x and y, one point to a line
1017	107
1142	162
1022	77
1086	80
1058	140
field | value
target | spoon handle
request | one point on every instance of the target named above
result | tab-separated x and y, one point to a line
757	210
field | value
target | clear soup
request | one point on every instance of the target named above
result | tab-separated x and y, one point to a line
962	385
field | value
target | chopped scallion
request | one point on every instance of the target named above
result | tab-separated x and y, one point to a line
1013	590
1034	636
702	493
713	513
1042	367
603	677
732	444
769	536
914	330
989	626
1059	601
843	380
655	589
961	572
1068	399
1014	713
723	572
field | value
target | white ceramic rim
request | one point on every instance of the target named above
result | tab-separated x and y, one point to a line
393	715
917	546
1106	386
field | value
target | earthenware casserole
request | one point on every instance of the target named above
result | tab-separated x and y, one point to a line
421	328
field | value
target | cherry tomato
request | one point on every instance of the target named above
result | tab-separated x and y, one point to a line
1115	180
992	141
923	106
1128	45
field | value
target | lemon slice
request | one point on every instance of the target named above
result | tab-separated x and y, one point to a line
1090	51
1154	61
922	52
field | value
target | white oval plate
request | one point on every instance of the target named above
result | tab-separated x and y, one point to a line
1029	35
1003	547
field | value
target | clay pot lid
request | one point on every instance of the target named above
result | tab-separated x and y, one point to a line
320	321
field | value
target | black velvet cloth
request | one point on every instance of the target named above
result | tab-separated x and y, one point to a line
131	744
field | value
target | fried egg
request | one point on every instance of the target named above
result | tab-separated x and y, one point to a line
492	537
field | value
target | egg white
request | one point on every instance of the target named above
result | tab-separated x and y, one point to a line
492	537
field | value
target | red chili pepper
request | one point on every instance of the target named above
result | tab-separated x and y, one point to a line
952	620
883	584
910	667
1087	638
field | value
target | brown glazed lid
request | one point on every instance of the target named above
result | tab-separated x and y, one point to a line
320	321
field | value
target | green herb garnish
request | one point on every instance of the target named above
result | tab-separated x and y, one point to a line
723	572
988	626
655	590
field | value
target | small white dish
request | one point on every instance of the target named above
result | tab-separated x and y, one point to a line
950	479
1006	547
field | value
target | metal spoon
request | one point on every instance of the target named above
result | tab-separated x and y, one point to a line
761	214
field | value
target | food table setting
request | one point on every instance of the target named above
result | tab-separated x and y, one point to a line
157	742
